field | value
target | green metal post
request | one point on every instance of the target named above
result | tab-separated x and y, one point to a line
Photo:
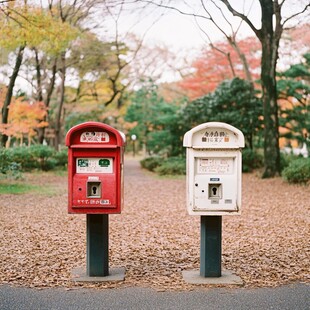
210	246
97	245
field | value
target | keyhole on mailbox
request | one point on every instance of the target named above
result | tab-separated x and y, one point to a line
214	190
94	190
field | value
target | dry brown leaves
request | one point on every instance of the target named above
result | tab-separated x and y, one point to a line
154	238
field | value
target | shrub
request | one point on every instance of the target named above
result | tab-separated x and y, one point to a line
43	155
8	167
287	159
4	160
251	160
151	163
298	171
22	156
169	166
172	166
34	157
61	158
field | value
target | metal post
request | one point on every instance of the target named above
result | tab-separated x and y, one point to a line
134	147
210	246
97	245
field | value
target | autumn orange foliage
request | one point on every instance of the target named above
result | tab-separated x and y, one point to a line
24	118
213	66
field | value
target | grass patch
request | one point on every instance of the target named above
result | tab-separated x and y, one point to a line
29	184
60	172
17	188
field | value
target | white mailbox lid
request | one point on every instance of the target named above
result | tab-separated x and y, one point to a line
214	135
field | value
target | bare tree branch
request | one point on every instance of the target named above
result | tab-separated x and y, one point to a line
242	16
296	14
174	9
6	1
223	15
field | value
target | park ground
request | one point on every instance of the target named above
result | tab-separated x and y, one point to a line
154	238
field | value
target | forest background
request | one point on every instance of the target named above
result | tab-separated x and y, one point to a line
66	62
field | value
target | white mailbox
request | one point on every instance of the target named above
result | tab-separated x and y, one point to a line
213	169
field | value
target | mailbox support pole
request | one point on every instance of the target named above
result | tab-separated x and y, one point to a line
210	246
97	245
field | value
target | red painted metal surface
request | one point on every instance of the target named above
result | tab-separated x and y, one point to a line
95	169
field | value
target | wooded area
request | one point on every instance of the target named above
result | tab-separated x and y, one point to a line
71	72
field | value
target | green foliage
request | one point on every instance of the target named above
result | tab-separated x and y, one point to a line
23	157
104	62
43	156
165	166
155	121
91	55
35	27
233	102
8	167
21	187
161	126
286	159
16	188
299	70
151	163
172	166
61	158
298	171
159	142
251	160
294	87
18	159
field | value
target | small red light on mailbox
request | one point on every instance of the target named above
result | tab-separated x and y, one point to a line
95	169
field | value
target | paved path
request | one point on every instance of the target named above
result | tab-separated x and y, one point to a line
292	297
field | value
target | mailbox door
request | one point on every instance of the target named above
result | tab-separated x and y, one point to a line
96	181
214	185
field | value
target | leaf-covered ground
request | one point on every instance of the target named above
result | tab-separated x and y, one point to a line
154	238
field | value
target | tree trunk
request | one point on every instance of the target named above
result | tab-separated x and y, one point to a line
39	79
39	96
41	131
9	94
270	45
61	102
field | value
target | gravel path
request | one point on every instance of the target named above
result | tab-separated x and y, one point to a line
154	237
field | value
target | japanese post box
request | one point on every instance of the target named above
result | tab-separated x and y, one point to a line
213	169
95	169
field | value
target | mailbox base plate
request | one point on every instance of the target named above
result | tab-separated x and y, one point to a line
115	275
227	278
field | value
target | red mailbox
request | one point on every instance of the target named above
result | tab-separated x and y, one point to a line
95	168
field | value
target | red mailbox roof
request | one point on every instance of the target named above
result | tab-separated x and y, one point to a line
93	135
